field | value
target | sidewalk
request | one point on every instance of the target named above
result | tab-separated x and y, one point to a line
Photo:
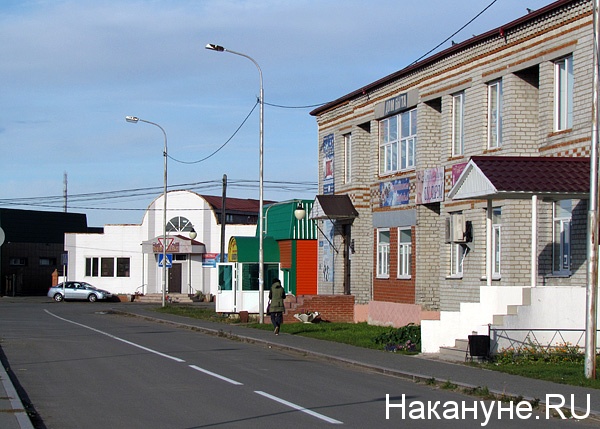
13	415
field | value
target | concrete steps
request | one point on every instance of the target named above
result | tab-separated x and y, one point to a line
156	298
458	353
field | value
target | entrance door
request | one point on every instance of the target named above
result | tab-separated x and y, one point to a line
175	278
225	301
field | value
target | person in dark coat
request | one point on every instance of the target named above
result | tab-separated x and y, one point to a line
276	306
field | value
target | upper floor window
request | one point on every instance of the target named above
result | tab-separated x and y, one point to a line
179	224
562	237
494	125
563	93
47	262
404	252
398	140
348	158
458	103
13	262
383	253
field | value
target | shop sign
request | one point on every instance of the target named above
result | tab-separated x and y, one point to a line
430	185
395	192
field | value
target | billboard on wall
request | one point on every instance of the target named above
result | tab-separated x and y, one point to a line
328	168
326	269
430	185
394	193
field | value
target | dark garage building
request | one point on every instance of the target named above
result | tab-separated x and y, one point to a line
33	248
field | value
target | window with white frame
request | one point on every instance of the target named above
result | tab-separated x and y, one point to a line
398	140
563	94
458	250
562	237
347	158
179	224
458	103
92	267
496	241
404	252
457	255
105	267
383	253
494	114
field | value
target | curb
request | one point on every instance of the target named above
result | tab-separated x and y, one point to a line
18	410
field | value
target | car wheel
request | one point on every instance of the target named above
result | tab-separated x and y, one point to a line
92	297
58	297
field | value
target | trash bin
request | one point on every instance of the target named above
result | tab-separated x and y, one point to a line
479	346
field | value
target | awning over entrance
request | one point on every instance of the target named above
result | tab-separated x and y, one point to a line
245	249
175	244
333	207
503	177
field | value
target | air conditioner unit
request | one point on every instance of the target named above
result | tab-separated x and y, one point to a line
458	228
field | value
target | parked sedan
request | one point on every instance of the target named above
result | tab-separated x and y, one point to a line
77	290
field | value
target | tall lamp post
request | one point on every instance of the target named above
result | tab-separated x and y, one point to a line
261	262
134	120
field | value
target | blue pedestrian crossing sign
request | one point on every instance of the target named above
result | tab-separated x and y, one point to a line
169	260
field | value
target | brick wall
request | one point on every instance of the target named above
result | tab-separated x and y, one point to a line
333	308
523	60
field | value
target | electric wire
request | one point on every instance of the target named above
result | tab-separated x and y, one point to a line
455	33
224	144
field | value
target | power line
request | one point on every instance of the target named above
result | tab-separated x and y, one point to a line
56	201
224	144
455	33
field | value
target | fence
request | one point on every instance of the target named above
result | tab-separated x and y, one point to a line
522	341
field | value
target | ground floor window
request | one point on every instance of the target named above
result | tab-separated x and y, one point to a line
404	252
105	267
457	256
383	253
122	267
561	248
496	241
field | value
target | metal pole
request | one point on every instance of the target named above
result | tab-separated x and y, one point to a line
223	217
261	262
135	119
592	245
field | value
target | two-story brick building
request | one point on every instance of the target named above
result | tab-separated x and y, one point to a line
441	232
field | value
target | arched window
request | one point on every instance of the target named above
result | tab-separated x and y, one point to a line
179	224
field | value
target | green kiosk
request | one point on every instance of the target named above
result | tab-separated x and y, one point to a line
289	241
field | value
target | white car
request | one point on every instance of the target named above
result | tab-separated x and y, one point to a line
77	290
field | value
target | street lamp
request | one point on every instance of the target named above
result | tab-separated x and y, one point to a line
261	262
135	120
300	212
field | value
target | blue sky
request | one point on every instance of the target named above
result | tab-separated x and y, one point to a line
71	70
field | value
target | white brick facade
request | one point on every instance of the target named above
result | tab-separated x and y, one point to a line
521	55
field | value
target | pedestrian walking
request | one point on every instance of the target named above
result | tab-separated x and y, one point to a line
276	305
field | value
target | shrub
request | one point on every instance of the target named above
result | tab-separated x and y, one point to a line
564	352
404	339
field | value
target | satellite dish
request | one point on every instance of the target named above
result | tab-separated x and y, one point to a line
2	236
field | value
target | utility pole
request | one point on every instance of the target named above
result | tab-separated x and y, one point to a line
223	217
65	191
591	309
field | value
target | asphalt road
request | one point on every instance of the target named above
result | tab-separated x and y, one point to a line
83	367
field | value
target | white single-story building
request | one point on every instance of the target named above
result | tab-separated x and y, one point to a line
124	259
